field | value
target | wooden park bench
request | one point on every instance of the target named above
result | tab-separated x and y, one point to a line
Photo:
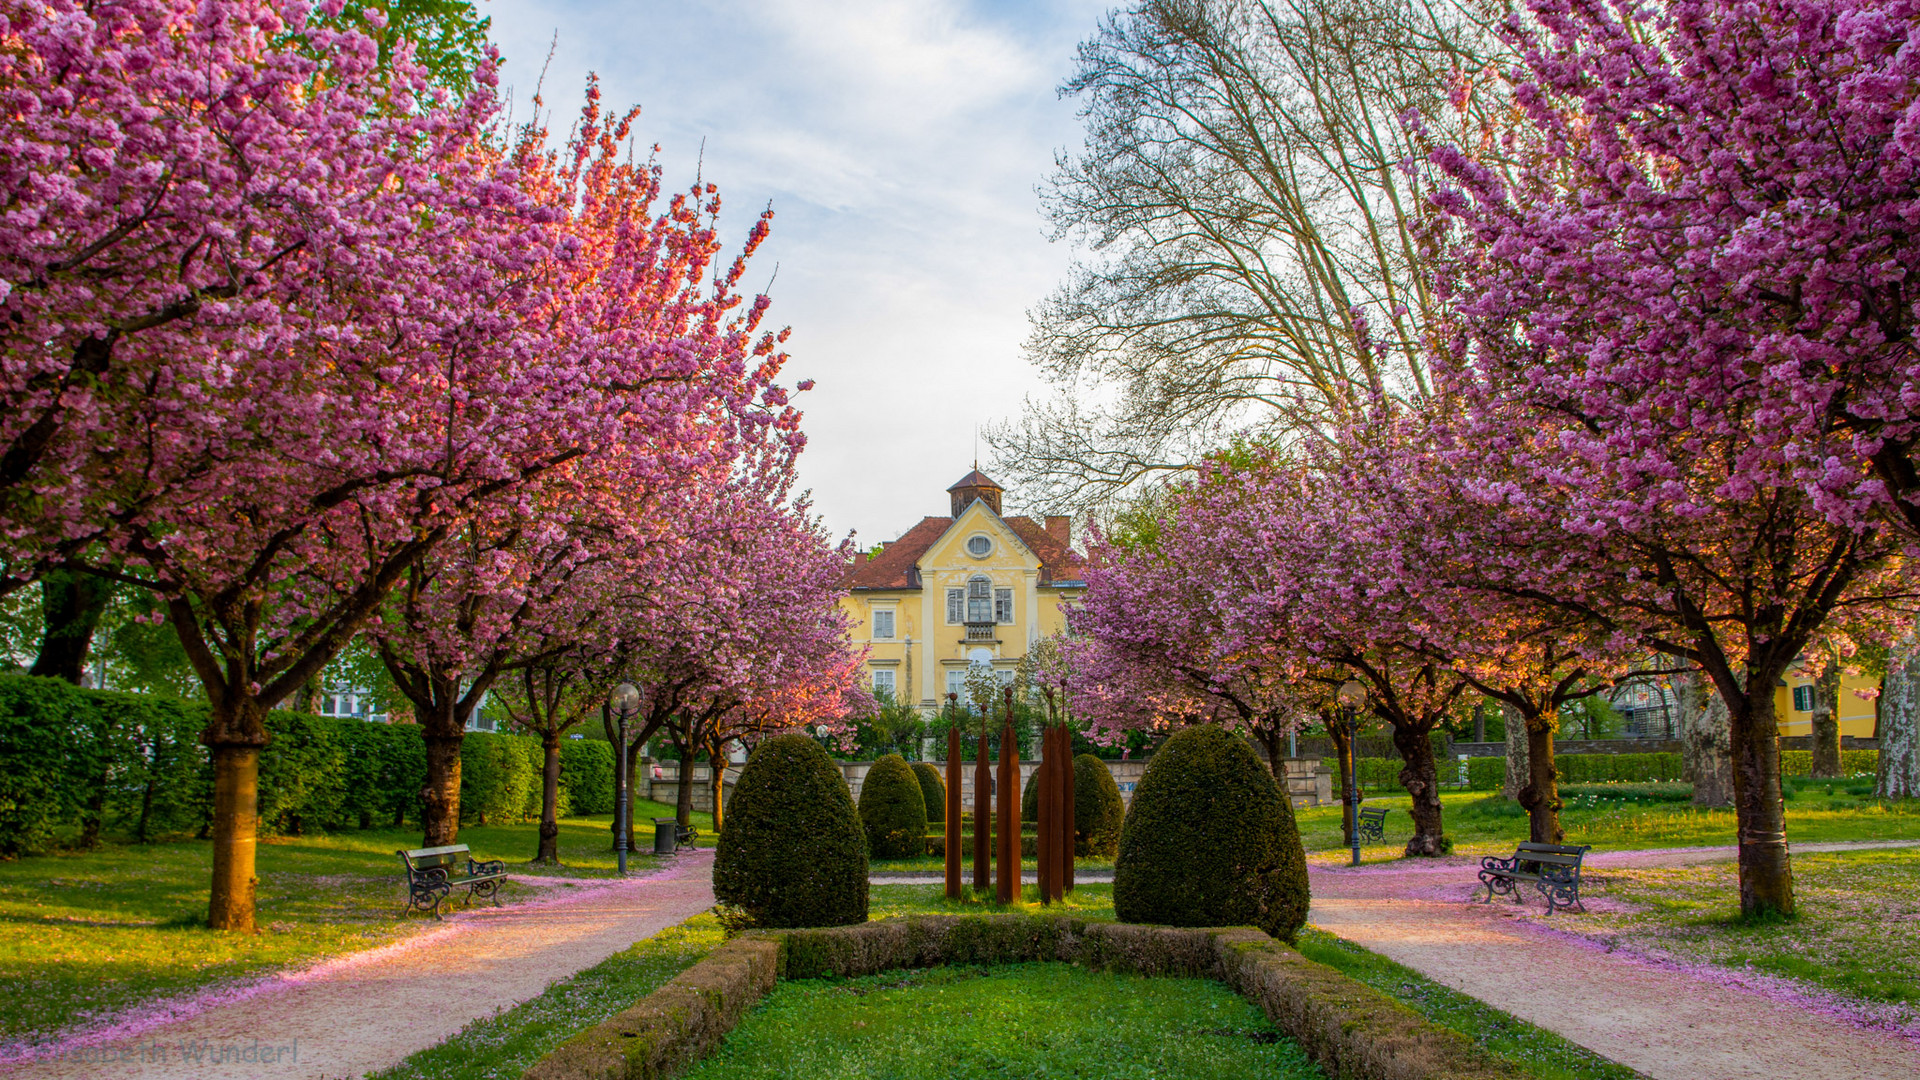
431	876
682	834
1554	870
1373	823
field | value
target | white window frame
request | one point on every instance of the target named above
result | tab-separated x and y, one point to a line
1805	692
1003	606
956	606
979	599
979	554
885	679
879	614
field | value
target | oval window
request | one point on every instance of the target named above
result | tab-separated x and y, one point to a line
978	546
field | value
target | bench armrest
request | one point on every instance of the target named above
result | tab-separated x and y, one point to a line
476	868
1498	864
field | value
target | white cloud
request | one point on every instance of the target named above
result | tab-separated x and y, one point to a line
899	144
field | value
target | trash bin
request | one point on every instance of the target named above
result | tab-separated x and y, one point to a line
665	835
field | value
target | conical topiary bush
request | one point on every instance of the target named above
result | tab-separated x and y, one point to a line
893	811
1210	840
1097	809
791	851
933	792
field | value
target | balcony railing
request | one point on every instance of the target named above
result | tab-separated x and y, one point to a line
980	631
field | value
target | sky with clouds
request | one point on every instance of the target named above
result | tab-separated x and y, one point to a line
900	145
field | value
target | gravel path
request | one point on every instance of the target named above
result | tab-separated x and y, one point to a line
1667	1021
368	1011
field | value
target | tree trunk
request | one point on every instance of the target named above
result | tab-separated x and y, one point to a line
1342	756
549	854
71	605
440	795
1826	722
1519	770
236	803
1706	747
1766	876
1899	773
1420	775
682	795
1479	721
717	766
1541	795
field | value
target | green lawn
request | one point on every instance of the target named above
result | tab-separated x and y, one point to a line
1483	822
84	934
1011	1021
1853	933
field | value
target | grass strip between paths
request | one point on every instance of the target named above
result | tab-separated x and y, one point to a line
1542	1053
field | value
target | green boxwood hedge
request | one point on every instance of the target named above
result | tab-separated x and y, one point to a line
934	789
791	850
1098	811
130	766
893	810
1210	840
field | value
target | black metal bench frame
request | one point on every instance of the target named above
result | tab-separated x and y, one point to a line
682	834
1373	823
431	878
1554	870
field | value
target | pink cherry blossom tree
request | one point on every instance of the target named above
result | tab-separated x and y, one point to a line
1681	339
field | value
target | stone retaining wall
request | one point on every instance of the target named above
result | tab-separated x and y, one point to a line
1309	780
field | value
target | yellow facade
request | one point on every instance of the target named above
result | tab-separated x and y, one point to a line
974	588
1793	703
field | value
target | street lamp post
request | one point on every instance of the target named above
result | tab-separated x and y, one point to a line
624	704
1351	695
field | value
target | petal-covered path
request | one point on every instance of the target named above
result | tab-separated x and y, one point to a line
368	1011
1665	1021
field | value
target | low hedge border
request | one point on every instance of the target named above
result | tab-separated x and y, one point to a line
1353	1031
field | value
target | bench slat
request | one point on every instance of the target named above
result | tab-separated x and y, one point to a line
450	849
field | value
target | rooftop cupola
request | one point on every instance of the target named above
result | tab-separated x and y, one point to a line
975	485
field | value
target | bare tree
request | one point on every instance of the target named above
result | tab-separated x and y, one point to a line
1249	214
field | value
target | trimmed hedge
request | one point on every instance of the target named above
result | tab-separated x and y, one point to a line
791	850
934	790
76	761
586	777
1349	1029
893	811
1210	840
1098	811
1852	762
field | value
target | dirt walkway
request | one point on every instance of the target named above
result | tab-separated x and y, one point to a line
365	1012
1669	1023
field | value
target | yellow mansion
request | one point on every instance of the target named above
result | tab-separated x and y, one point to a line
971	588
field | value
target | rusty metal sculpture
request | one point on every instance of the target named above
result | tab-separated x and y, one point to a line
952	848
1007	881
983	813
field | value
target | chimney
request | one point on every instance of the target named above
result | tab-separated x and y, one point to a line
1060	528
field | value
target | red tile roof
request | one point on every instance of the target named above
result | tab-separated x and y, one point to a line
896	567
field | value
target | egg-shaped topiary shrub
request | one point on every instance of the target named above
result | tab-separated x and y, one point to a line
791	850
1210	840
893	811
933	791
1097	810
1030	798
